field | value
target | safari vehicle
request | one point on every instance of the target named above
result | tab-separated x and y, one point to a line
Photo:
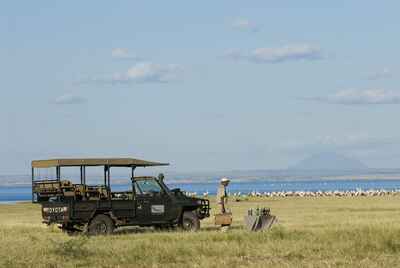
96	209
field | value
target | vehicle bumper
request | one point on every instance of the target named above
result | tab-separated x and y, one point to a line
204	209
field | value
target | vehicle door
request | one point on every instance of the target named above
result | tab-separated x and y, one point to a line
121	198
153	203
123	204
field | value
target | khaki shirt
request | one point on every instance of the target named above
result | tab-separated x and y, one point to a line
221	195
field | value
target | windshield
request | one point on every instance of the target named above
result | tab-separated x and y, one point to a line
147	186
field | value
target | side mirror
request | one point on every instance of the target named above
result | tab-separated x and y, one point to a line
161	177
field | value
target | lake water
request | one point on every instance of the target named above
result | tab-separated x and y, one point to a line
11	194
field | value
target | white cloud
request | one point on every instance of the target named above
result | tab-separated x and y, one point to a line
277	55
144	72
123	53
149	72
245	25
360	97
382	74
286	53
70	99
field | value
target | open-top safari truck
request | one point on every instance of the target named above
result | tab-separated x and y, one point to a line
96	209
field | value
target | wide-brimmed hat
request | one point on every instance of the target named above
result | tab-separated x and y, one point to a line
225	179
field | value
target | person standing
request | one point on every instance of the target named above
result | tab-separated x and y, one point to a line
222	197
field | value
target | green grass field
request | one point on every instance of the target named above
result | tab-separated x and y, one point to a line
322	232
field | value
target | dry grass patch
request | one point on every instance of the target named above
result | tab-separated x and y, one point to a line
323	232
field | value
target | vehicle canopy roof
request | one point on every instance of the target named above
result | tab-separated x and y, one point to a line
71	162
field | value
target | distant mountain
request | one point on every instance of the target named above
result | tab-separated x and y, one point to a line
329	161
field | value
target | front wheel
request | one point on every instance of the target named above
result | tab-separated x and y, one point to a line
70	232
69	229
190	221
101	225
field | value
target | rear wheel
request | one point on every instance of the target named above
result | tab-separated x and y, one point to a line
101	225
190	221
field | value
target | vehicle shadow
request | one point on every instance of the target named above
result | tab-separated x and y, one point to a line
133	230
147	230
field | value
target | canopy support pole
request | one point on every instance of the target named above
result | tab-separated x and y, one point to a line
33	178
84	175
58	173
83	180
107	180
81	174
133	182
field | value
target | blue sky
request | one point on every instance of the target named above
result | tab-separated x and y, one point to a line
207	85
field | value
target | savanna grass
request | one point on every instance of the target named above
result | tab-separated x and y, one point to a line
321	232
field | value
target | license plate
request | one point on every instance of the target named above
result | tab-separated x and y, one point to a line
55	210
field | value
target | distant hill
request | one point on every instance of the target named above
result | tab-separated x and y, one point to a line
329	161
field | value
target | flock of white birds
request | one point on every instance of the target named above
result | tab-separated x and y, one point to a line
358	192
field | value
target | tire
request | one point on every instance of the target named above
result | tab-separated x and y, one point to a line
71	232
190	222
101	225
69	229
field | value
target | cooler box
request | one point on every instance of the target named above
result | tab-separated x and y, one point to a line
223	219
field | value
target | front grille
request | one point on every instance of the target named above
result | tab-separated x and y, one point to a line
55	213
204	210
